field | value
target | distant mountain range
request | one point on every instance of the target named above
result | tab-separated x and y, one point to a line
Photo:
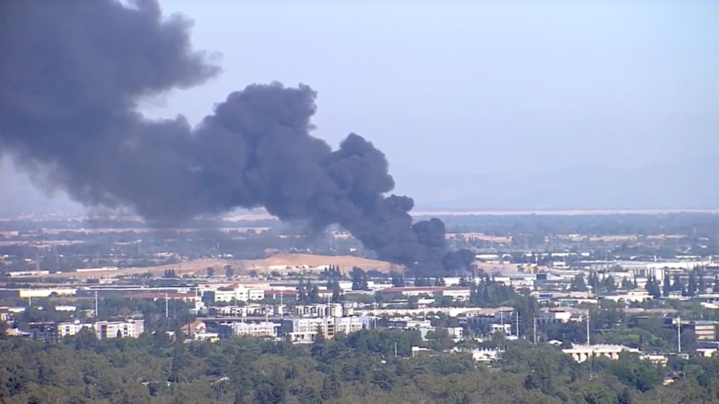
692	184
678	185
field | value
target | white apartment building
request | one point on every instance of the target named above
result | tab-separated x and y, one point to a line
629	296
263	329
119	329
318	310
553	317
71	328
306	329
582	353
457	292
237	294
104	329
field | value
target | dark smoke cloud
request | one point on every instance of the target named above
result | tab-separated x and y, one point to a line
71	76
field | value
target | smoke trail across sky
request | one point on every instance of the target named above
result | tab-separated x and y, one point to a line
72	74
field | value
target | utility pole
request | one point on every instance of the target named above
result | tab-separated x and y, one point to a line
167	306
588	335
535	328
679	334
97	306
282	305
516	320
197	300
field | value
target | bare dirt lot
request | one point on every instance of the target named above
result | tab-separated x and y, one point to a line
291	262
298	260
198	267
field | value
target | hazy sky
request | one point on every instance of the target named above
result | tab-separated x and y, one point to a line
502	88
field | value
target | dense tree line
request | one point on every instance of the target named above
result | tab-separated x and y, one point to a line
364	367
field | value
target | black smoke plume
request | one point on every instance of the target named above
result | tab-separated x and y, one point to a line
72	74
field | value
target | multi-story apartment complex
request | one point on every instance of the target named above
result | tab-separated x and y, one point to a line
455	292
306	329
237	293
119	329
261	329
104	329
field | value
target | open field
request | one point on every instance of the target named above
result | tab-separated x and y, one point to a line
343	261
196	267
199	267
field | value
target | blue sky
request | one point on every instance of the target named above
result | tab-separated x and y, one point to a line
508	88
504	89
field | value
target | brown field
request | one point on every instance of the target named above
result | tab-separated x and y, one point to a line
489	268
343	261
199	267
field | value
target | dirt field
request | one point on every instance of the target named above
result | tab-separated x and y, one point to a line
199	267
296	260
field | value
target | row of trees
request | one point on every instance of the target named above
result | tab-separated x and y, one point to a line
365	367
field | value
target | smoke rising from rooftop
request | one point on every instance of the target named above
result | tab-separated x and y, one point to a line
71	76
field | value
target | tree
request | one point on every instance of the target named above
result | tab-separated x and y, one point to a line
210	272
702	286
666	285
421	282
397	280
229	271
314	294
652	288
271	389
359	279
693	284
609	283
440	282
677	284
625	397
593	282
336	292
715	287
240	398
331	388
